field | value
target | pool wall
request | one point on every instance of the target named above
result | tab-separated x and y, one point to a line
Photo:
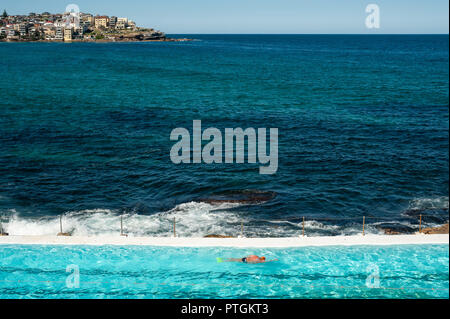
232	242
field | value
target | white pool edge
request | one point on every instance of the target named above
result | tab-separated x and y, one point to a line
415	239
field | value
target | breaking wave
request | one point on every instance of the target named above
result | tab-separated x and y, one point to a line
436	203
198	219
192	219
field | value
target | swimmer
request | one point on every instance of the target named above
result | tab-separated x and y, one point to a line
251	259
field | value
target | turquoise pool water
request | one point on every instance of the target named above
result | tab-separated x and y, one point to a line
408	271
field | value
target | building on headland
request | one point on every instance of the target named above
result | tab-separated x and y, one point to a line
87	21
59	24
131	25
101	22
66	27
59	34
80	31
49	33
23	29
87	17
112	22
68	35
11	34
122	23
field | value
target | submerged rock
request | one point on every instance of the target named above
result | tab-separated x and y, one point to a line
438	216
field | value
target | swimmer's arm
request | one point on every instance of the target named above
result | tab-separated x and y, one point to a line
260	262
231	259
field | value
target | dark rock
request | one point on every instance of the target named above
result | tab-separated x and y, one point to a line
438	216
245	196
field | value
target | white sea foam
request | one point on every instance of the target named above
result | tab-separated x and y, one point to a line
440	202
192	219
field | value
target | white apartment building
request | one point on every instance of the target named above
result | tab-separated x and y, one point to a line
122	23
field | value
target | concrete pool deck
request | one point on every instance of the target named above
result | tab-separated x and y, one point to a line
230	242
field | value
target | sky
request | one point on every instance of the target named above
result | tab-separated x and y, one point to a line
259	16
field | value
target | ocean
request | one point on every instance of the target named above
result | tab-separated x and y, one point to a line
363	125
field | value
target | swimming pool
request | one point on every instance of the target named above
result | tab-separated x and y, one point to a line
401	271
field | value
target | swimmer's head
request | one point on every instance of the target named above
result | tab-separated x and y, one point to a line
263	258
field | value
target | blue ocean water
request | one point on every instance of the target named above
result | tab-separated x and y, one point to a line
34	271
363	131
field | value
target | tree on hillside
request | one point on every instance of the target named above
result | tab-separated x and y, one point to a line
5	15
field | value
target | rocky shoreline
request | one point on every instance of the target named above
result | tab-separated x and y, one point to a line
443	229
99	40
436	230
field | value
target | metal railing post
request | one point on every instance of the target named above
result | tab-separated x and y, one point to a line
364	222
174	230
2	231
420	223
303	227
61	228
242	229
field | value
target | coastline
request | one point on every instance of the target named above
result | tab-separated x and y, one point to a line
99	41
281	242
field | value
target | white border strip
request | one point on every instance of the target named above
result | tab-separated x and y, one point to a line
231	242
